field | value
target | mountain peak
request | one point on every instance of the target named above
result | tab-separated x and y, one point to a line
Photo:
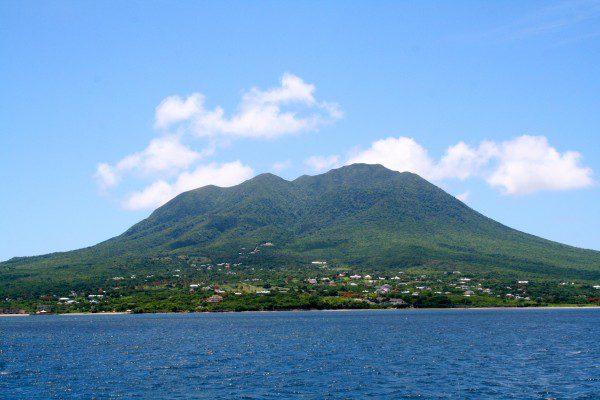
365	176
362	167
359	215
371	169
267	177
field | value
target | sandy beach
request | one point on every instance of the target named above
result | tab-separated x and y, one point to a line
566	307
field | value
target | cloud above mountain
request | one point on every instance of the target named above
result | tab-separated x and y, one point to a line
161	191
164	155
322	163
286	109
520	166
529	164
190	132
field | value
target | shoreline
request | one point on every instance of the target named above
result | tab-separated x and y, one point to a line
566	307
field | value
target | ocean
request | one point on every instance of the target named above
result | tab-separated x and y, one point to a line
387	354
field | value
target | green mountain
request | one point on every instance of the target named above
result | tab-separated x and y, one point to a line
356	216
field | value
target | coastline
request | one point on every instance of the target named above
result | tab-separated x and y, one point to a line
558	307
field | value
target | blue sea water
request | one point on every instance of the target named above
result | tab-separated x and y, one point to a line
403	354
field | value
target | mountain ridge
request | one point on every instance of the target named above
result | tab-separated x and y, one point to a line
357	215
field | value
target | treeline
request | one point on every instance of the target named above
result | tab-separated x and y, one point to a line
176	301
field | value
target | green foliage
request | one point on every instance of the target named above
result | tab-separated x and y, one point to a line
357	216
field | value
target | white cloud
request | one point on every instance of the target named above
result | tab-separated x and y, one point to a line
281	165
322	163
172	167
292	89
523	165
173	109
464	196
400	154
160	192
462	161
106	175
529	164
286	109
405	154
165	155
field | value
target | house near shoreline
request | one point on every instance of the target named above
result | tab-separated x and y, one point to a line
398	302
43	309
12	311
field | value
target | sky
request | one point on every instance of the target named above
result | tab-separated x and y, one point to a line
109	109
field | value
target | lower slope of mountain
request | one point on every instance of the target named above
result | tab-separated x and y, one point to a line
356	216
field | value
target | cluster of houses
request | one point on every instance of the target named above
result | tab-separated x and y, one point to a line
463	285
73	298
378	285
368	280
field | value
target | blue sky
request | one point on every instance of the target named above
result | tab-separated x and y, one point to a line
109	108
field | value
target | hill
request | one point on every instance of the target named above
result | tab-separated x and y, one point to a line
355	216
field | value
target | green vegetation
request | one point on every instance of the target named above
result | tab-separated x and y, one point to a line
186	286
361	219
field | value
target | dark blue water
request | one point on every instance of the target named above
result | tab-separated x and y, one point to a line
469	354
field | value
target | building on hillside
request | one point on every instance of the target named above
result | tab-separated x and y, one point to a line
383	289
214	299
398	302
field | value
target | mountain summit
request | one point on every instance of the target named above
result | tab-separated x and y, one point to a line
357	215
